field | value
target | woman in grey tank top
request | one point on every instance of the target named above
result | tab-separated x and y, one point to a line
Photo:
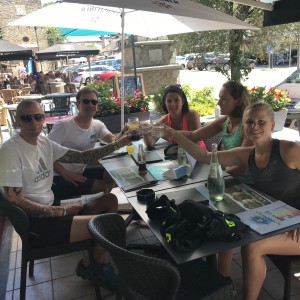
265	160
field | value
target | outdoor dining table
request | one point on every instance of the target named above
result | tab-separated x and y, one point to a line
208	249
199	173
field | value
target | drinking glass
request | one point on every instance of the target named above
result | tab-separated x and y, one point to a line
158	130
145	127
133	124
130	148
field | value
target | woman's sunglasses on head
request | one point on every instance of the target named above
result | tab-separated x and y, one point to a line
29	118
173	86
87	101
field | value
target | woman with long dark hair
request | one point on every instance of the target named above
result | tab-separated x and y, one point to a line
233	100
177	114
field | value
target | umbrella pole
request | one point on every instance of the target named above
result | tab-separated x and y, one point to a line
89	63
134	62
69	73
122	69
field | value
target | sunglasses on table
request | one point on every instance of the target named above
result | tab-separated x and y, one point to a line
87	101
29	118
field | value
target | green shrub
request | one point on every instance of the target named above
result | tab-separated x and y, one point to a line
201	101
104	88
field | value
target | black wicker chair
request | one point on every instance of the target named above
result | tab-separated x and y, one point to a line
287	265
215	139
20	222
12	114
143	277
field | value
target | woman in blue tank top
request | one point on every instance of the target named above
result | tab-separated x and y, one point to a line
233	99
266	160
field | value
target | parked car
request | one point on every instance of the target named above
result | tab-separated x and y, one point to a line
292	85
115	63
105	76
187	61
223	62
97	69
209	60
200	62
180	60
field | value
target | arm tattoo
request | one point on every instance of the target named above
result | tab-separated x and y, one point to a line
87	156
14	195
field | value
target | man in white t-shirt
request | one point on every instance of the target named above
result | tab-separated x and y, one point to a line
81	133
26	175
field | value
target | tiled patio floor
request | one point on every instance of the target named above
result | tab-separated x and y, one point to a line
55	278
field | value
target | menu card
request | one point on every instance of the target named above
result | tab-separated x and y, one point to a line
237	198
129	179
271	217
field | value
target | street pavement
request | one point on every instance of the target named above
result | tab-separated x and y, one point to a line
260	76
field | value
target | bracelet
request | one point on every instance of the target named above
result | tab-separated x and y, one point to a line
115	145
65	211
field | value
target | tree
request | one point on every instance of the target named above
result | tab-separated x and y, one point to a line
54	36
231	41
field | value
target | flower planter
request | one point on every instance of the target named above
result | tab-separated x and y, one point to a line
113	122
279	118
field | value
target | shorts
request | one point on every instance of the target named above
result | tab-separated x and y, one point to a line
45	232
63	189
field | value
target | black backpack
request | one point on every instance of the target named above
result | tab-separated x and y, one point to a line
187	225
226	227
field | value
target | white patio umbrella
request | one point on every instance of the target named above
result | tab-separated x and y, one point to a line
149	18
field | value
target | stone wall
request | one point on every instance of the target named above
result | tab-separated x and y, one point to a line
156	61
156	77
11	11
22	35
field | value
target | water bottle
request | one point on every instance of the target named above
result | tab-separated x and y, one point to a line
73	109
181	156
215	180
142	160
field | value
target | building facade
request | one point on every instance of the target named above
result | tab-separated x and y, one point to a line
28	37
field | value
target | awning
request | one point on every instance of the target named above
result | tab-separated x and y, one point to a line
284	11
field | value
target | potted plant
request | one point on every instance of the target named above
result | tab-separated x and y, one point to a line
109	106
277	99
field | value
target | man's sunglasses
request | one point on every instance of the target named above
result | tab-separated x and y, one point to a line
87	101
28	118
